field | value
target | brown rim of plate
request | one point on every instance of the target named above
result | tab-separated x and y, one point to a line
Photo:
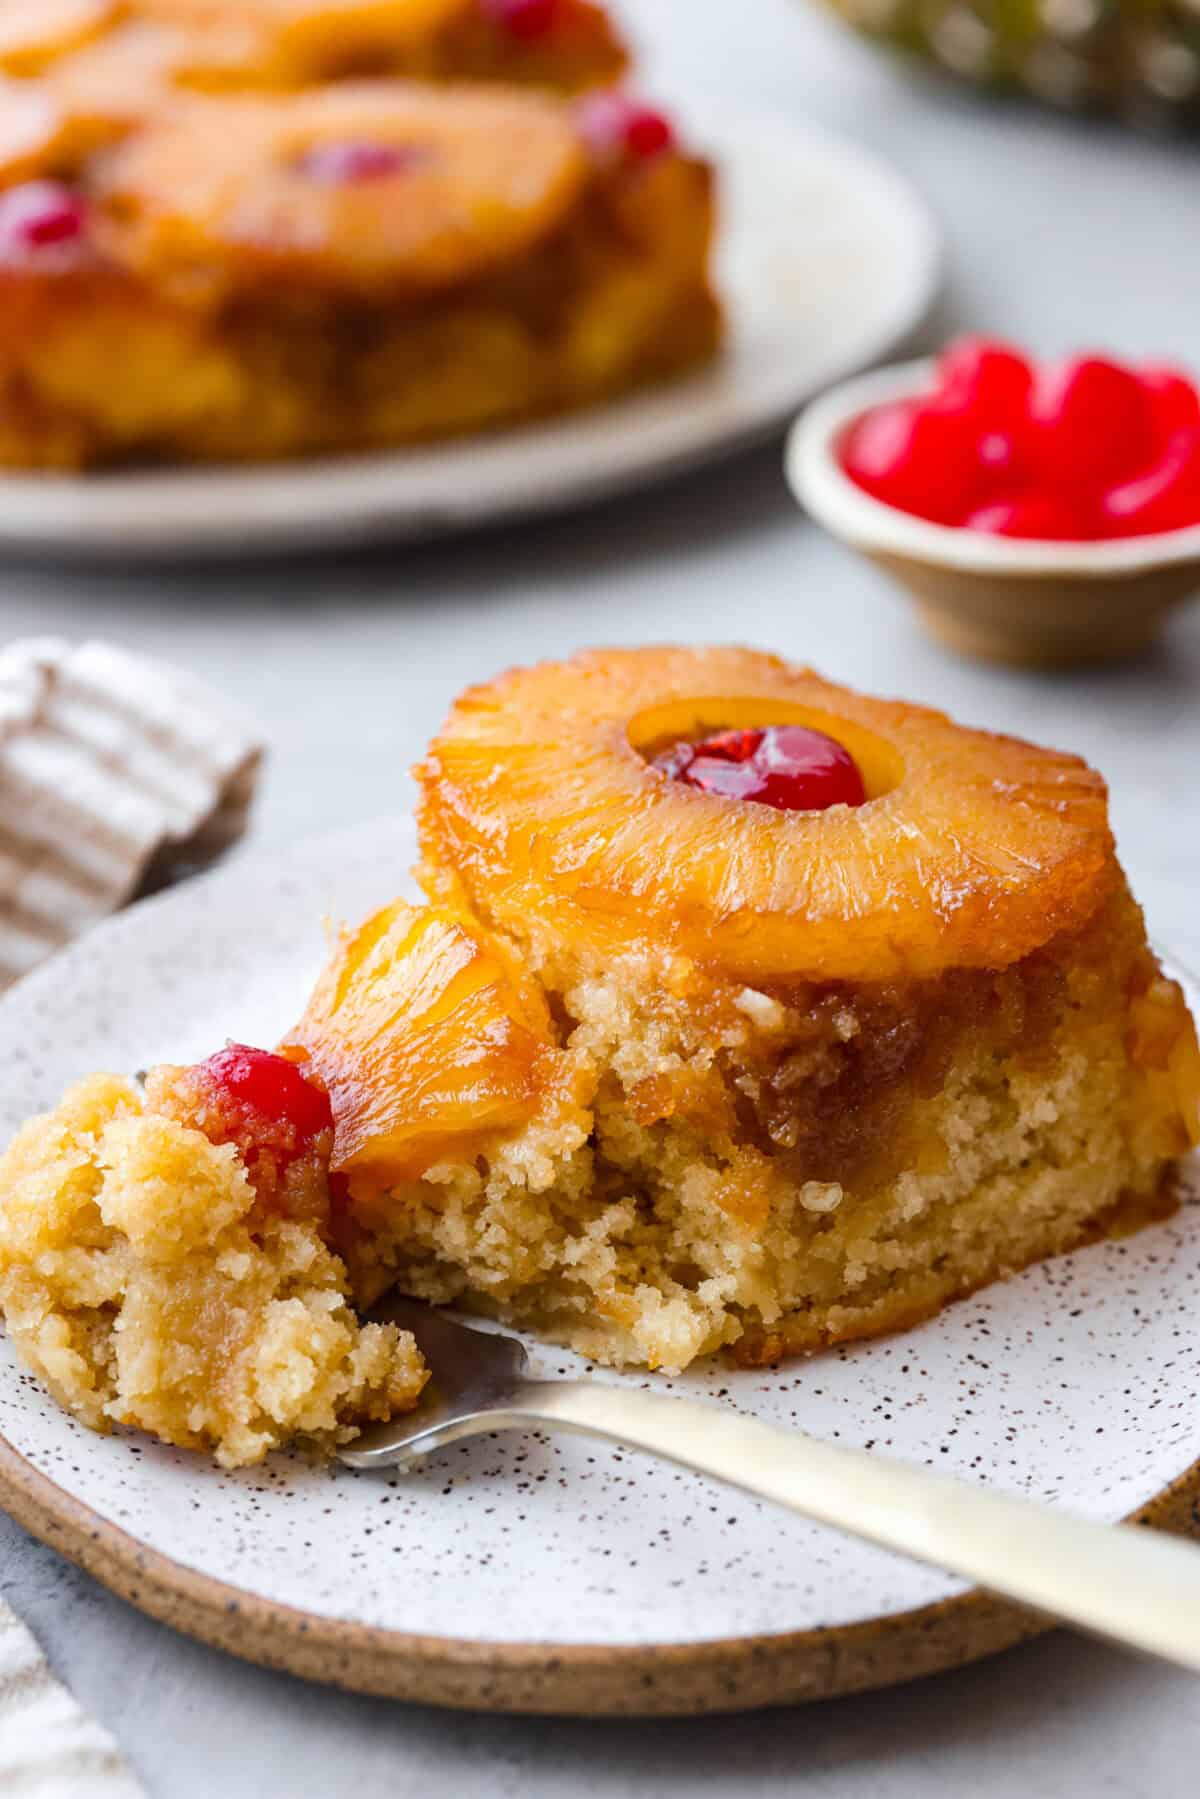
580	1680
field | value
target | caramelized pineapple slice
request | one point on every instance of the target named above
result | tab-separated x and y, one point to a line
431	1041
326	21
292	43
360	189
540	804
226	45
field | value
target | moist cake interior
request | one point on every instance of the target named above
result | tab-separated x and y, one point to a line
777	1171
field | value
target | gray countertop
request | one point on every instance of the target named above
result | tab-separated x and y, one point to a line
1058	234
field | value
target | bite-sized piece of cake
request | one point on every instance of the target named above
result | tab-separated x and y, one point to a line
164	1263
869	1012
141	49
369	264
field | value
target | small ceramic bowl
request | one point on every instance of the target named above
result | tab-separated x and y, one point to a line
1039	604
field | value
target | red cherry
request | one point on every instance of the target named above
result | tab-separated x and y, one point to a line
1165	497
1002	462
523	18
649	132
1091	424
787	767
990	380
612	123
1174	401
40	215
337	165
916	455
271	1086
1030	515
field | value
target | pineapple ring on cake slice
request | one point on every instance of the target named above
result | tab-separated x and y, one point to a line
362	189
541	803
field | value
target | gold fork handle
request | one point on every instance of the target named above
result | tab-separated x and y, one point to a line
1136	1587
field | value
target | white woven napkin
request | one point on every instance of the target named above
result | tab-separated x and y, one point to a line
117	774
49	1748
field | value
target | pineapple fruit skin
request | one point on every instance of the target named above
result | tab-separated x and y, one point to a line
1137	58
698	1159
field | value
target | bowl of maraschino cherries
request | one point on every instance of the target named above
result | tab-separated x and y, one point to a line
1039	513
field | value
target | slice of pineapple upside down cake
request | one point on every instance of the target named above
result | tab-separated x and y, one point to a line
745	1011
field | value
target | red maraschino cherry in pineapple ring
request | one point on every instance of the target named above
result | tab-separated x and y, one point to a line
787	767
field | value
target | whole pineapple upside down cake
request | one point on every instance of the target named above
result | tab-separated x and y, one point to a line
745	1013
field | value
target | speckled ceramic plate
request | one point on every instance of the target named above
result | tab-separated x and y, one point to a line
827	259
557	1574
